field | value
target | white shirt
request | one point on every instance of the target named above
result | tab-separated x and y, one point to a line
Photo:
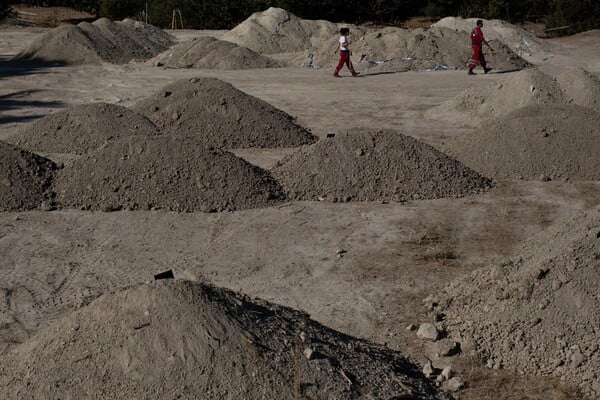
343	40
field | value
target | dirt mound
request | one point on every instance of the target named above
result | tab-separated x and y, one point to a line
559	142
81	129
190	340
524	88
375	166
278	31
221	115
101	41
25	179
173	173
210	53
537	314
581	87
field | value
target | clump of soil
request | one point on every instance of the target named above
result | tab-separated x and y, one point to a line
25	179
100	41
220	115
581	87
191	340
370	166
82	128
210	53
167	172
558	142
537	314
524	88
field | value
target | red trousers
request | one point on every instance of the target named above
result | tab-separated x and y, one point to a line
344	59
477	57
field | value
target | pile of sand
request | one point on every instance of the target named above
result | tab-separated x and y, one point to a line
537	314
536	143
524	88
101	41
580	87
167	172
81	129
210	53
222	116
25	179
178	339
374	166
278	31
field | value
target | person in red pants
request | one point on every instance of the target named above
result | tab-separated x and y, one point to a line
343	47
477	42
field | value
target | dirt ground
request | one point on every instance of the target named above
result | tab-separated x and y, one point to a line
394	255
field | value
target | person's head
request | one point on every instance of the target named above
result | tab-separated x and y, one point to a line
344	31
479	23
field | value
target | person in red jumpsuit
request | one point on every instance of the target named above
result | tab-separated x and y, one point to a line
477	42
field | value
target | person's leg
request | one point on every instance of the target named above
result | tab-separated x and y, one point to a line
474	61
483	62
340	63
350	66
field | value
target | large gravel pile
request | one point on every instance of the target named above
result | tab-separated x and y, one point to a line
374	166
101	41
558	142
83	128
25	179
222	116
276	31
181	339
537	314
210	53
168	172
581	87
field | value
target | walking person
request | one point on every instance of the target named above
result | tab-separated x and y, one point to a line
477	42
343	47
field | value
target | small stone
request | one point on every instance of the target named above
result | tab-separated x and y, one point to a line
428	369
411	327
303	336
340	251
531	88
455	384
167	93
359	152
309	353
330	135
446	348
428	331
544	178
446	373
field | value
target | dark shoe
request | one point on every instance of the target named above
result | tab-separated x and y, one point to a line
355	73
471	72
486	70
336	75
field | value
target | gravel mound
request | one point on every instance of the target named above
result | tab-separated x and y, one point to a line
176	339
559	142
210	53
222	116
581	87
375	166
81	129
100	41
173	173
524	88
25	179
537	314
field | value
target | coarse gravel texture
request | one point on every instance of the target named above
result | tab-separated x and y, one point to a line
218	114
375	166
82	128
164	172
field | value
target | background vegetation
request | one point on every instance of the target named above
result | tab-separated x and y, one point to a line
578	15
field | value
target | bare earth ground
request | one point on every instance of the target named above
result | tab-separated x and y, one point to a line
395	254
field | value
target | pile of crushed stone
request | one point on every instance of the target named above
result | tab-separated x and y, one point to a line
373	166
82	128
555	142
210	53
100	41
524	88
537	314
184	339
220	115
276	31
25	179
164	172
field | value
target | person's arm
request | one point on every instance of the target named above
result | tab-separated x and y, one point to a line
337	47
